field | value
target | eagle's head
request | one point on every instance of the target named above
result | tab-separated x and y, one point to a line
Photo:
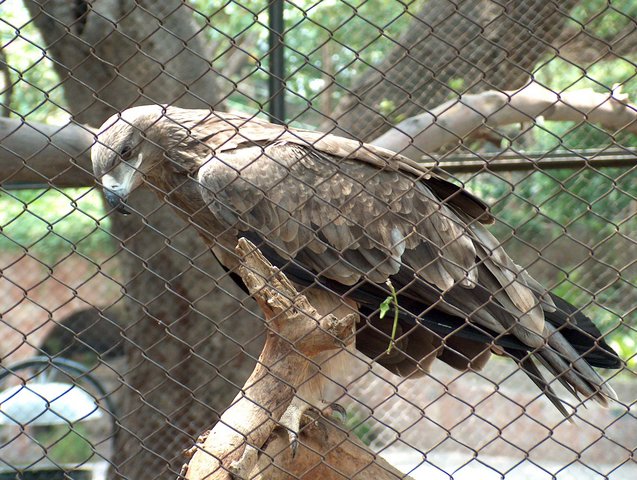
140	144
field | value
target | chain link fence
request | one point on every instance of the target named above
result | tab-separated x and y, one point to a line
124	338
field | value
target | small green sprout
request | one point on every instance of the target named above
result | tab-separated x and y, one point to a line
384	308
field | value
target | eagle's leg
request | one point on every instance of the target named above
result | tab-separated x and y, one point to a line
299	413
314	398
328	380
292	420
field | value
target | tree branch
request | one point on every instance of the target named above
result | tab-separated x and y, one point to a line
486	44
454	120
296	333
238	55
326	453
38	153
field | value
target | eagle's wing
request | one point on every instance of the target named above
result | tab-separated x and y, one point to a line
353	219
226	132
345	220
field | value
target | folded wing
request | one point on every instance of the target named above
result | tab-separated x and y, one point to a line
353	214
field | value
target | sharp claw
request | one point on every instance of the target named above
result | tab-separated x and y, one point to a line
339	410
291	420
294	442
300	413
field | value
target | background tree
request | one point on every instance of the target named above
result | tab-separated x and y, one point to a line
180	313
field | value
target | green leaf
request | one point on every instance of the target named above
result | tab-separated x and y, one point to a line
384	307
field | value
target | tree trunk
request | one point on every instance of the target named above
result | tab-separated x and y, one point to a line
451	48
185	340
116	54
181	366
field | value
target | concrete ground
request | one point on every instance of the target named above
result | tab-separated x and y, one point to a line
446	466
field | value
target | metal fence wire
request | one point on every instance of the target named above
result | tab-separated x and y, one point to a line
125	338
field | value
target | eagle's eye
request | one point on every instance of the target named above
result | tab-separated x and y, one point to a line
126	152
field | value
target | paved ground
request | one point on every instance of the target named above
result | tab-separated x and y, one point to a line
447	466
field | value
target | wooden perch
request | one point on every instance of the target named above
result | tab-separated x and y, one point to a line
33	152
326	452
457	119
295	334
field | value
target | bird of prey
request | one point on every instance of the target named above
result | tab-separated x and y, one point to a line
341	218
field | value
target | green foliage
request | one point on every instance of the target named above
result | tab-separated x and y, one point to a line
51	224
37	91
457	84
348	36
589	208
361	426
605	19
625	346
390	302
65	446
385	306
592	208
618	75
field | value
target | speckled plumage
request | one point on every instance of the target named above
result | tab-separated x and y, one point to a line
350	216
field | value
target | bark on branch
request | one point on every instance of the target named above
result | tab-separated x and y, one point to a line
454	120
296	332
41	153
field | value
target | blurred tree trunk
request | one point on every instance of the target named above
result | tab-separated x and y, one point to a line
181	367
451	48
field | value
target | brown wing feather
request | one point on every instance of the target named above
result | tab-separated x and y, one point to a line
360	217
348	219
223	132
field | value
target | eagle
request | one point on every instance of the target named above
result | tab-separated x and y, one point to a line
343	218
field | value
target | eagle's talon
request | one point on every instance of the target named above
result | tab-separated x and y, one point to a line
294	442
337	410
322	426
291	421
300	415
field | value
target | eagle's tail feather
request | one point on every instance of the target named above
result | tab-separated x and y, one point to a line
557	374
533	372
574	369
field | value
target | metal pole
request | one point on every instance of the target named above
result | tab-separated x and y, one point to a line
276	66
517	162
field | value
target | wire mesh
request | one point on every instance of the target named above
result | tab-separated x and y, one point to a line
527	104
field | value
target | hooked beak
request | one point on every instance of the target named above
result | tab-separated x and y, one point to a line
116	202
120	182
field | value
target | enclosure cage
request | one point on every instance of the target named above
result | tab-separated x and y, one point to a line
528	105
